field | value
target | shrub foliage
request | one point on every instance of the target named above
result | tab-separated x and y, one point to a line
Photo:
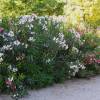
37	51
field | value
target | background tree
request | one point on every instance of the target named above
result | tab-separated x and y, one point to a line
22	7
87	11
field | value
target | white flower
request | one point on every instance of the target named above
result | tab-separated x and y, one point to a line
82	66
16	42
10	79
74	49
7	47
30	18
54	38
32	33
83	40
9	67
14	70
1	59
61	41
48	60
61	36
75	69
73	66
11	34
27	18
0	20
46	22
22	43
44	27
30	26
77	35
57	40
66	47
14	95
31	39
1	54
26	45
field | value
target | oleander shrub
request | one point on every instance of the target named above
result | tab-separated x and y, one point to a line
91	53
37	51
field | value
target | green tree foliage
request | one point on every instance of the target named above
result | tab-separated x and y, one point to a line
22	7
95	17
83	11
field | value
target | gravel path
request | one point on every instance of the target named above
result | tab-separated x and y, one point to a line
70	90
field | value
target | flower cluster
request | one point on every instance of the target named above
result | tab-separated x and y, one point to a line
97	61
10	84
12	69
76	66
43	22
77	34
74	49
31	39
26	18
90	59
61	41
1	59
10	41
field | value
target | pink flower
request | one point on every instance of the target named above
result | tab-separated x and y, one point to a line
98	61
9	81
1	30
90	59
10	84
